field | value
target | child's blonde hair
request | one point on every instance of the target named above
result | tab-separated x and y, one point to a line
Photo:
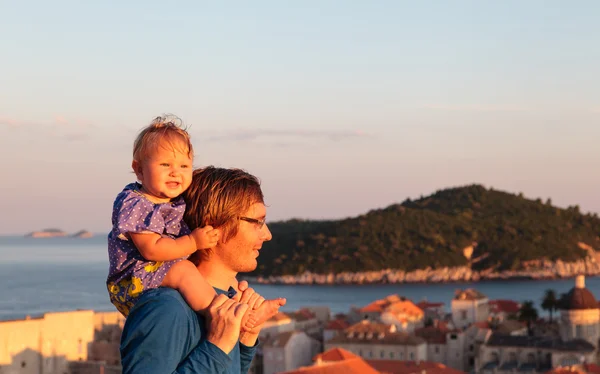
167	127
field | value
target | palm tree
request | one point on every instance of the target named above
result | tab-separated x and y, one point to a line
528	314
550	302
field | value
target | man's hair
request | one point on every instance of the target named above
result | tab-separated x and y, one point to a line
218	196
167	127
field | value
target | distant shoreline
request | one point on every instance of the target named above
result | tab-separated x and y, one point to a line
463	274
56	233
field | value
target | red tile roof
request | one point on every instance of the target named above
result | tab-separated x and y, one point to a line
567	370
482	324
582	369
339	360
335	354
505	306
411	367
592	368
337	324
393	303
349	366
425	305
432	334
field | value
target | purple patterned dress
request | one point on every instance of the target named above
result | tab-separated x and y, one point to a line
131	274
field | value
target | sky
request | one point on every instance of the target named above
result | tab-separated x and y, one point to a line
339	107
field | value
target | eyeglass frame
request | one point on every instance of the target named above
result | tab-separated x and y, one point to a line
259	222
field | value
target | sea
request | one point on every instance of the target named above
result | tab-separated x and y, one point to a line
61	274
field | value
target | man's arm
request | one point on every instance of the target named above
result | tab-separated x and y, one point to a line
248	344
249	339
161	336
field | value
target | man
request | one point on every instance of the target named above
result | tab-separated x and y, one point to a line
162	334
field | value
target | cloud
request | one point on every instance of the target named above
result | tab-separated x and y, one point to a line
284	136
477	108
15	123
59	126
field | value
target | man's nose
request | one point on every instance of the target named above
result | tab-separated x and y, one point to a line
266	233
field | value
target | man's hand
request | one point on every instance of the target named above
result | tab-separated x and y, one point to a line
224	322
254	300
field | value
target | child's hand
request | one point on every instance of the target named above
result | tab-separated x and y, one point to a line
205	237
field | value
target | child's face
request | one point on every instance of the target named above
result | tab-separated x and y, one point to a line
165	173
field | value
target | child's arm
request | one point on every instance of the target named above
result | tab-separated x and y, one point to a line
154	247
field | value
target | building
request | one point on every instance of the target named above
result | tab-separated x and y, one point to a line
579	314
277	324
47	344
373	311
475	336
511	327
469	306
378	341
432	311
502	309
507	353
436	338
323	313
334	327
404	314
305	320
287	351
392	309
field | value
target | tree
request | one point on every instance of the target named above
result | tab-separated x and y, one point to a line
550	302
528	314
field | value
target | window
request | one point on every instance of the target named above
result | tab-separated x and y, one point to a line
463	314
437	349
391	354
471	348
453	336
382	354
579	331
412	356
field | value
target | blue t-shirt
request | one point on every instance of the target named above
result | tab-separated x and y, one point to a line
163	335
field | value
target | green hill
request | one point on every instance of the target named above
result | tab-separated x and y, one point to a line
432	232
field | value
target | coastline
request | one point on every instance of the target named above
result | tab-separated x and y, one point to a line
537	270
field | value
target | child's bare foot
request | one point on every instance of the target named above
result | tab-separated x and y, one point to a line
260	315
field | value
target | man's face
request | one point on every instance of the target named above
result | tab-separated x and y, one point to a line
240	252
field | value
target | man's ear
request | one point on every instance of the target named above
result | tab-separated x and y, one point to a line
137	169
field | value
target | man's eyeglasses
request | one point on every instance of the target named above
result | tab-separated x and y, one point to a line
259	222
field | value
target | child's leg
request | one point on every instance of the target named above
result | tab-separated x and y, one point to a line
185	278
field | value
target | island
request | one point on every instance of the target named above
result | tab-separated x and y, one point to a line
57	233
47	233
83	234
466	233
